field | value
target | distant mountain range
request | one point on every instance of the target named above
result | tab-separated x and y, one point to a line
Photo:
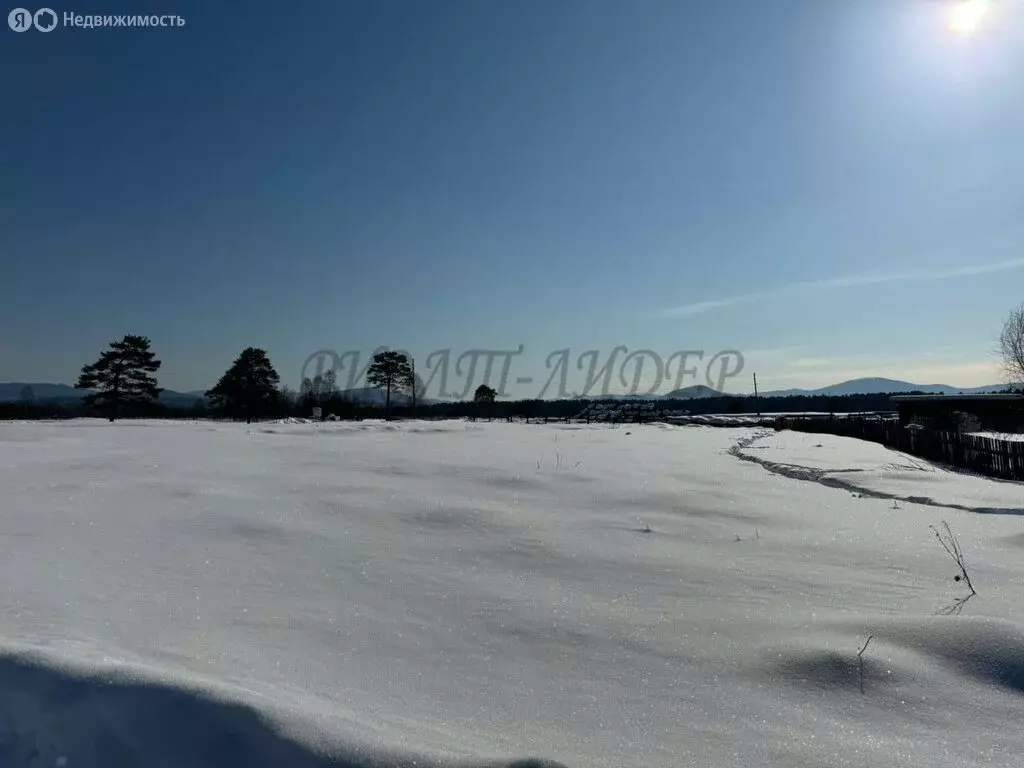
11	392
878	386
868	386
696	392
45	392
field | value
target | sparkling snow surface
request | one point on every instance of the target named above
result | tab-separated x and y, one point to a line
1013	437
290	594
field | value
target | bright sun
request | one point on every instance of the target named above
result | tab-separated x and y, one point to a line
966	15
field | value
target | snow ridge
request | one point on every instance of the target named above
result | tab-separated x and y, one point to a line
59	712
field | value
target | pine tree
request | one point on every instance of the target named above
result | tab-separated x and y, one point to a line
121	376
412	384
249	387
484	400
391	372
484	394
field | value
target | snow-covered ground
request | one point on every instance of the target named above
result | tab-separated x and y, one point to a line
752	419
1015	437
873	469
295	594
723	420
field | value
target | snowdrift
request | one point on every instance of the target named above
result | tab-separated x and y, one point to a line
970	650
56	713
60	712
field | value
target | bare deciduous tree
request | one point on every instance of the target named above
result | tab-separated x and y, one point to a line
288	398
1011	347
319	390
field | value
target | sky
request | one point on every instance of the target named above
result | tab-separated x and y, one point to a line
831	189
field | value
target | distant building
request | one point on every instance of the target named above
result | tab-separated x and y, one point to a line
962	413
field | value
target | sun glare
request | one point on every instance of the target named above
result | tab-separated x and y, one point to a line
966	16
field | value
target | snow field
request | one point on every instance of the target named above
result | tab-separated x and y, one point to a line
426	593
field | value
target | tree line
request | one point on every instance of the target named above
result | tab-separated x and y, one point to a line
122	383
340	406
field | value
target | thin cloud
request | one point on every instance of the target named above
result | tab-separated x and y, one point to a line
848	281
707	306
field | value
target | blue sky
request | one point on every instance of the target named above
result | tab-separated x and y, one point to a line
834	189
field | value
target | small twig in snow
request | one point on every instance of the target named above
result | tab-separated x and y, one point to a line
954	608
860	661
952	546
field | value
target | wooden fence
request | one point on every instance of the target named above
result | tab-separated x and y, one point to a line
984	455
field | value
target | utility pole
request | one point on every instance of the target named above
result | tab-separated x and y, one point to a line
757	403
